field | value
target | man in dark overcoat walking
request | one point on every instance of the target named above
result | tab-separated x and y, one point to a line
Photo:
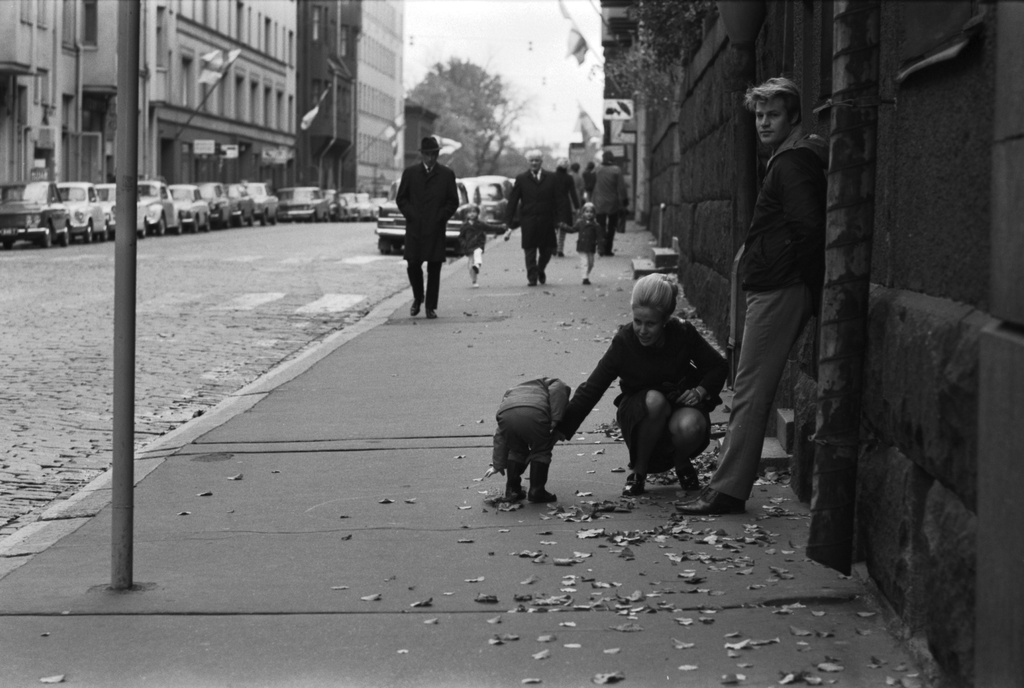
427	197
535	194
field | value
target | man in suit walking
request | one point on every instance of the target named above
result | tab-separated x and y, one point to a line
609	200
427	197
535	194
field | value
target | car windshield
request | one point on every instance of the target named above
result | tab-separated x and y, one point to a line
362	198
487	192
105	194
35	192
236	191
72	193
182	194
149	191
208	191
300	195
257	190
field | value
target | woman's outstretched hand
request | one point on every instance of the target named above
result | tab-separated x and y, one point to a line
491	470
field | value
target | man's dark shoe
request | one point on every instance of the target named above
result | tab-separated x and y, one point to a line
531	284
542	278
431	314
634	485
712	502
414	309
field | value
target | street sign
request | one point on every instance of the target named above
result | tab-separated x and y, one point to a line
618	108
204	146
229	150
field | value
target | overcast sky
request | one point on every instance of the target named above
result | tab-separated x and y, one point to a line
497	34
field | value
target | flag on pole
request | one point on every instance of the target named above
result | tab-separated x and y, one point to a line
577	45
448	146
392	130
215	64
307	119
588	128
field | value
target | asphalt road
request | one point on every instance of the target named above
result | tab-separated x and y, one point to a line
214	312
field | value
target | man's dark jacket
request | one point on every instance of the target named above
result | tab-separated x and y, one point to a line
785	244
426	201
538	206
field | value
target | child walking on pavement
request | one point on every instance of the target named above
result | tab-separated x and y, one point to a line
526	415
472	239
587	231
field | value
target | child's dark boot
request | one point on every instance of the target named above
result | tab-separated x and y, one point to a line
513	482
687	474
538	479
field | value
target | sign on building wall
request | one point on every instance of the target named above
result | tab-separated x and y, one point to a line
618	108
204	146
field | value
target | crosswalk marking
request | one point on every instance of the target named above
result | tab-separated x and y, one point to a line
247	302
331	303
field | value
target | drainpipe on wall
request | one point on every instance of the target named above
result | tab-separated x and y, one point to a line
844	316
743	20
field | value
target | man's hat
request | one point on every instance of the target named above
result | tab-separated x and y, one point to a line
429	145
608	156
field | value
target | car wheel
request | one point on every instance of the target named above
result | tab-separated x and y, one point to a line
176	230
65	238
8	245
252	219
46	241
88	237
160	228
273	218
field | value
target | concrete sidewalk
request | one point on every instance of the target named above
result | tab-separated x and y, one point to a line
327	527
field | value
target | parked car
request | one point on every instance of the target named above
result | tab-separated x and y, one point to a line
306	203
243	208
84	211
193	211
337	207
266	202
107	195
155	209
220	205
359	206
391	223
32	211
490	193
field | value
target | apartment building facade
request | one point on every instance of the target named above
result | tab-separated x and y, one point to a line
379	143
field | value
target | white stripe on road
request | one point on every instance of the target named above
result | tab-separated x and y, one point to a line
363	260
247	302
331	303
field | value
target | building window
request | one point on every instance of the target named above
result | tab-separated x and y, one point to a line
240	22
161	37
291	48
68	18
43	14
268	35
291	113
343	41
315	35
279	115
43	92
268	104
26	11
186	81
239	98
90	22
254	102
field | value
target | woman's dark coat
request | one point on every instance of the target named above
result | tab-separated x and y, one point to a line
568	201
427	202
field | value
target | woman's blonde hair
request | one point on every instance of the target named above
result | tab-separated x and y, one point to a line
657	292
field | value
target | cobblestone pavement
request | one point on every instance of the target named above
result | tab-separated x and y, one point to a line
214	312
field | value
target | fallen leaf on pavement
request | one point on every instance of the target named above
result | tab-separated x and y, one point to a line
799	632
464	541
733	679
494	620
529	581
830	667
475	580
688	667
205	494
529	681
52	679
612	651
430	621
423	603
680	645
486	599
549	638
235	477
463	508
386	501
602	679
184	513
339	587
543	654
628	628
410	500
371	598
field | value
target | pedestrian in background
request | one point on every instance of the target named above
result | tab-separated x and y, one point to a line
782	267
526	416
589	179
587	231
609	200
577	179
568	202
472	240
535	196
427	196
670	379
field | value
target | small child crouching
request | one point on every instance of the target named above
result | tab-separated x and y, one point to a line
526	416
472	240
587	230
